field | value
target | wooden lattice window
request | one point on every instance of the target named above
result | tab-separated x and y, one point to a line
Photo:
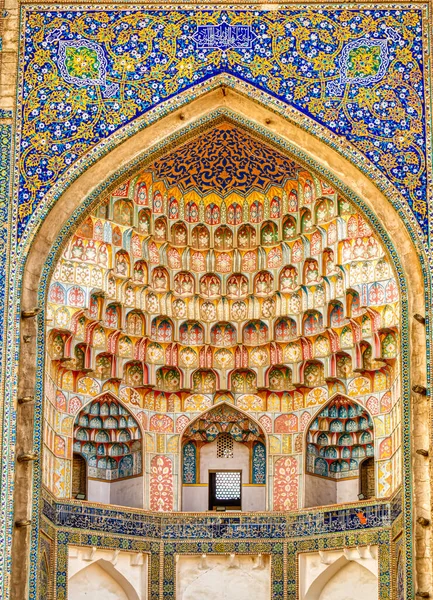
225	446
225	490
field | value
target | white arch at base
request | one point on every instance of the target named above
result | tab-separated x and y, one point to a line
106	574
347	574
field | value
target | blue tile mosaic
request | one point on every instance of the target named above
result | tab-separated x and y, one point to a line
88	73
195	527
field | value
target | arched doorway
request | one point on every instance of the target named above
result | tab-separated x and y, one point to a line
367	479
79	477
223	462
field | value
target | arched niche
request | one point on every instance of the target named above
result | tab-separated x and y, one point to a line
337	575
327	153
103	579
79	477
167	349
224	462
339	440
108	437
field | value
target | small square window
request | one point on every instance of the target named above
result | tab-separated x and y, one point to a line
225	489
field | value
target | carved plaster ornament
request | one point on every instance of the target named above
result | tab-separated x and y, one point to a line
137	560
259	562
203	565
325	558
347	553
364	552
90	554
233	563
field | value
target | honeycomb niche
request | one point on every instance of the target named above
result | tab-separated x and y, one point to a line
224	272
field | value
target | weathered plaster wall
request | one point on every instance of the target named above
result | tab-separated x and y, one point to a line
95	582
341	585
128	492
209	461
223	577
320	491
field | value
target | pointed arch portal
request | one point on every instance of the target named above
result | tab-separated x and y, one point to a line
106	356
160	305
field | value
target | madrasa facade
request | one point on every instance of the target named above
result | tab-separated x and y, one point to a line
215	300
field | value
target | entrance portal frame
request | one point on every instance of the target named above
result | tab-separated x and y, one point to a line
324	153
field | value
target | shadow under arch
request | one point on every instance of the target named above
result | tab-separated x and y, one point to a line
107	163
307	429
243	414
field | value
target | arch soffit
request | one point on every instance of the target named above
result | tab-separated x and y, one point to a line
331	399
116	399
243	413
114	165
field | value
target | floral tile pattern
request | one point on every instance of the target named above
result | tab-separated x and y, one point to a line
88	73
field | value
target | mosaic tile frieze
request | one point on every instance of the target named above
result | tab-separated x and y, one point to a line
6	410
381	538
111	542
88	73
189	527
